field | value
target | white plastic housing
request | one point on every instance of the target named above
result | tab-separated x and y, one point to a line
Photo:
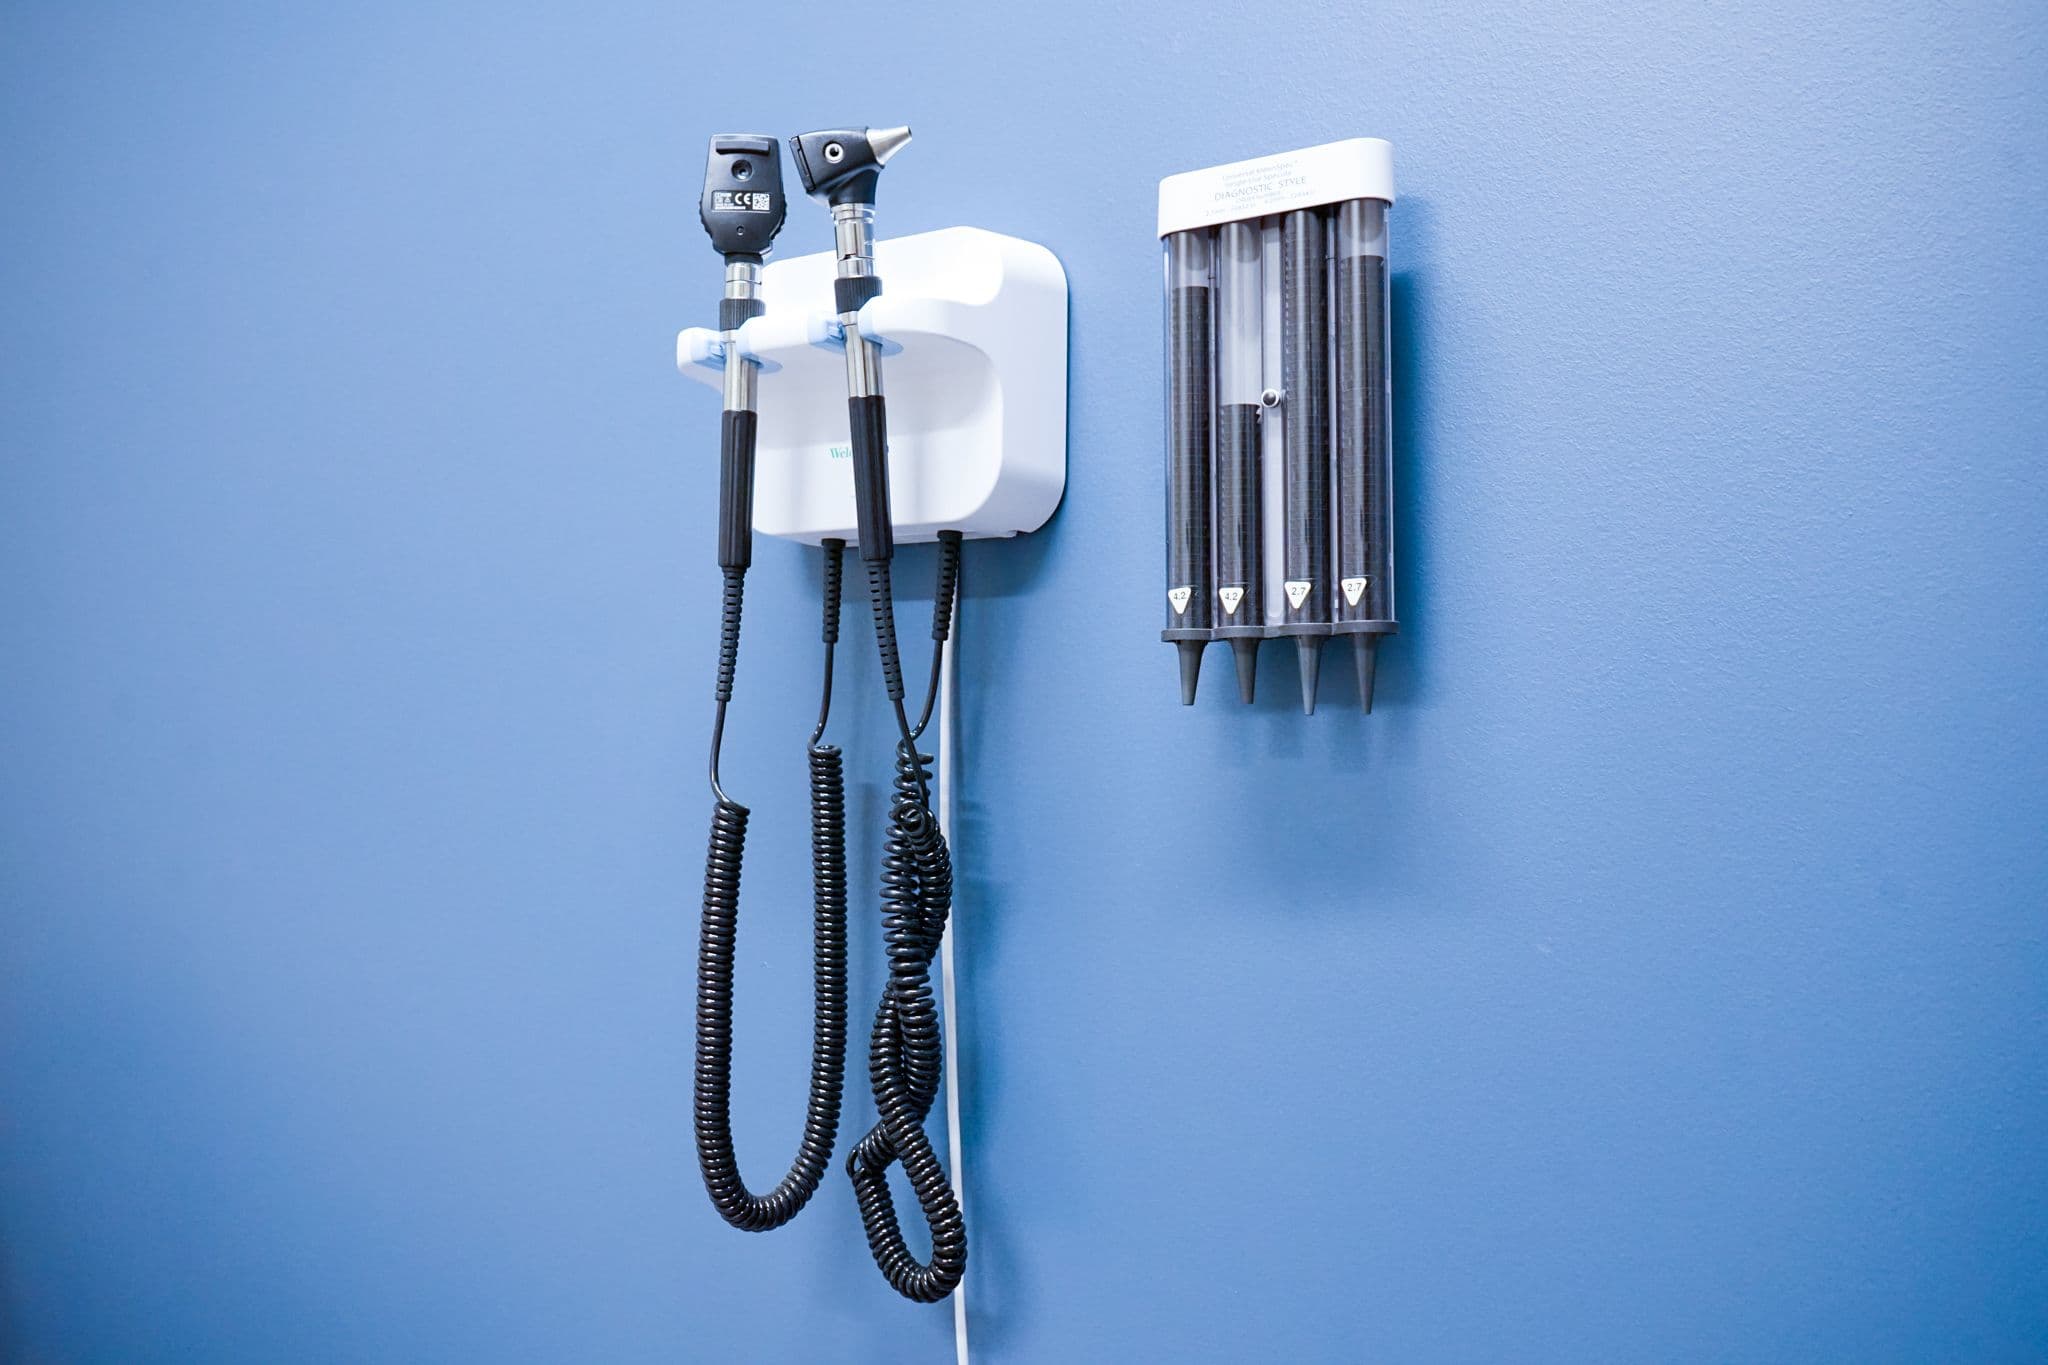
1356	168
974	369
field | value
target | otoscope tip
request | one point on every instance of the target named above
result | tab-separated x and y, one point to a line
1190	668
1309	649
1247	656
886	142
1365	654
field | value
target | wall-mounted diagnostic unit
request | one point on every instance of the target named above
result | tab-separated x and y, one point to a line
971	444
1279	457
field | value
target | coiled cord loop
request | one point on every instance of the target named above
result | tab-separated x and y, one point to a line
905	1056
713	1102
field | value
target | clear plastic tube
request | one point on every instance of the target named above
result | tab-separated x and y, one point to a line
1363	598
1190	372
1305	380
1240	386
1240	368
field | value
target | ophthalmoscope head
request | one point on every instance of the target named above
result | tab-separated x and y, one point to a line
743	203
841	165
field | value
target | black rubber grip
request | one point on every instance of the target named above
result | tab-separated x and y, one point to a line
949	582
733	312
731	600
870	426
849	292
736	490
834	549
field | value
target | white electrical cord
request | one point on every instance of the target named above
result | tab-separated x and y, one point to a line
950	1015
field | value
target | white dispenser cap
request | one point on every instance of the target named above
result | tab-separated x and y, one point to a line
1356	168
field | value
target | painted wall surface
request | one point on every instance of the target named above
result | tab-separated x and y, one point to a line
1661	974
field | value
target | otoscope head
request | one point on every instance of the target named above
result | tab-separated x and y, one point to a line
841	165
743	203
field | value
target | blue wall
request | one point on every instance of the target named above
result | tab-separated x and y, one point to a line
1661	974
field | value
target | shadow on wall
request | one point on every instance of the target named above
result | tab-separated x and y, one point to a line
1404	683
1001	1279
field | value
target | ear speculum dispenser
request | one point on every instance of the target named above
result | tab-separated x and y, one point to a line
1279	451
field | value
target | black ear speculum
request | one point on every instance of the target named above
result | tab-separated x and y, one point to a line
743	202
841	165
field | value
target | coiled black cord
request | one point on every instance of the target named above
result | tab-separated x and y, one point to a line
729	1194
905	1057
